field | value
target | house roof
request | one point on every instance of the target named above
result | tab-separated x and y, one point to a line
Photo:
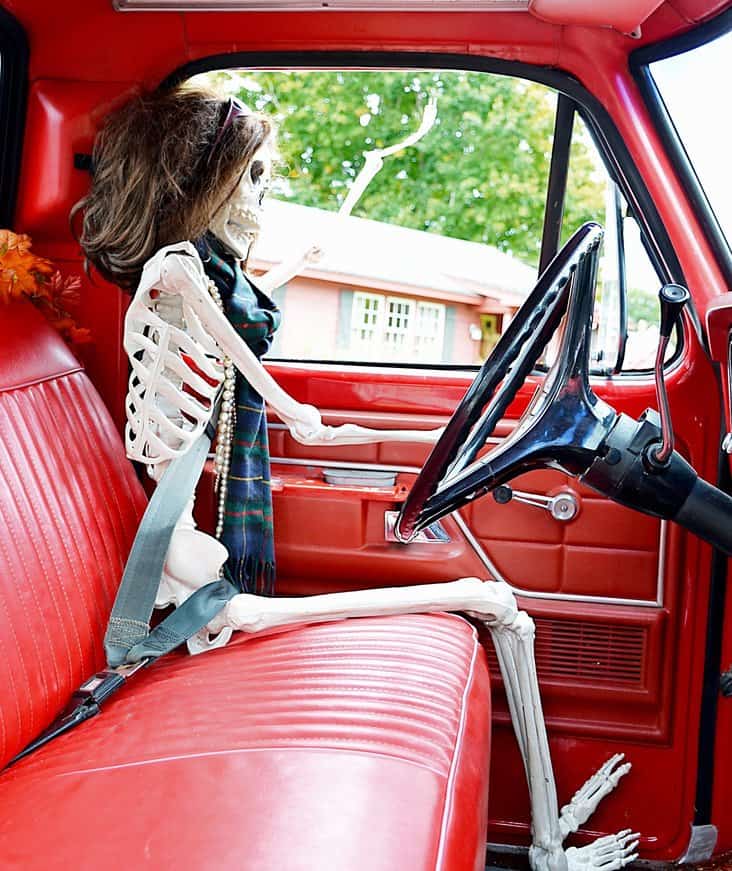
371	251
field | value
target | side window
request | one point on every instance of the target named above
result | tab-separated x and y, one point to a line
443	244
625	262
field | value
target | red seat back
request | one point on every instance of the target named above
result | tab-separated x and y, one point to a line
69	507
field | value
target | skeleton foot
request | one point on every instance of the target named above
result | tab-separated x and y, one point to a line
606	854
585	801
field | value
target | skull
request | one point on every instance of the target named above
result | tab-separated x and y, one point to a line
236	223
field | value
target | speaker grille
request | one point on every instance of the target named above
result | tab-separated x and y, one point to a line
587	652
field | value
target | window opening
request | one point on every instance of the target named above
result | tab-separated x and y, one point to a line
430	331
624	264
688	83
399	323
461	216
394	328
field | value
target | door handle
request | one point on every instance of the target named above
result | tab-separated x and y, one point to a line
435	533
562	506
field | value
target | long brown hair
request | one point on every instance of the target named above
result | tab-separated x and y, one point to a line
160	172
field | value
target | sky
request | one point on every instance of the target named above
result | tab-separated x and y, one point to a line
696	87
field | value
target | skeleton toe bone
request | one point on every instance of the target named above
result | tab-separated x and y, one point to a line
605	854
585	801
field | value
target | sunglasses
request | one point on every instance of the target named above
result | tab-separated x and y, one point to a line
235	109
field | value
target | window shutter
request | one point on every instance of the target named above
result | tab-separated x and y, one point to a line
345	313
448	349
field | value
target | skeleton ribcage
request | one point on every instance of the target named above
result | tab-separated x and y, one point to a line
176	373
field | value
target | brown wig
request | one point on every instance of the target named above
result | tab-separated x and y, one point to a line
162	167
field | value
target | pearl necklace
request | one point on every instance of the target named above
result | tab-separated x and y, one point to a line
225	427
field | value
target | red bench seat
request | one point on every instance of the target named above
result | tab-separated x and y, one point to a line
336	747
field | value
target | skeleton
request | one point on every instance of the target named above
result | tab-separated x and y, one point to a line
177	337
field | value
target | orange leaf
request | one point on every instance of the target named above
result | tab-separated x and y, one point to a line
22	273
69	294
10	241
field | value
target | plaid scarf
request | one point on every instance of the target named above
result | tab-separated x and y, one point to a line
248	531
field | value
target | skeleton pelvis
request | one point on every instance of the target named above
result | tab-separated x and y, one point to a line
194	559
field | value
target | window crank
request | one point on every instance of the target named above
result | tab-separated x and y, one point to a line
672	298
563	506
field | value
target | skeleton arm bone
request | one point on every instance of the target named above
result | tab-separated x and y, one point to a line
183	273
288	269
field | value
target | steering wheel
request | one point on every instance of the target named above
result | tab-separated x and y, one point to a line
563	426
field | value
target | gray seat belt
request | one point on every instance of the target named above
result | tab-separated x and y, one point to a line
129	642
128	638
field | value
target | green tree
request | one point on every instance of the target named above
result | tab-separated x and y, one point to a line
479	174
642	305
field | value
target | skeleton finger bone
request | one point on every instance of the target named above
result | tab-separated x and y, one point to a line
284	272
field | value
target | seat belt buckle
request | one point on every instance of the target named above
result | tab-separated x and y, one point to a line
84	704
100	686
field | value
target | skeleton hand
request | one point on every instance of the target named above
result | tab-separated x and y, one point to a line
606	854
314	254
307	427
585	801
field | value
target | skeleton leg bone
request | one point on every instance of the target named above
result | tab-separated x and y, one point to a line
250	613
515	650
492	603
514	644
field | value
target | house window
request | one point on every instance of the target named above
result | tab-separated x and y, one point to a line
397	329
365	321
429	331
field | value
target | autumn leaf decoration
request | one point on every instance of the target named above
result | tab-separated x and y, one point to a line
23	273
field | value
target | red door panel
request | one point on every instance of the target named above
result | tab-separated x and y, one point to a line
606	550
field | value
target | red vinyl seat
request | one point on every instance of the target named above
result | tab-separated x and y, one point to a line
359	744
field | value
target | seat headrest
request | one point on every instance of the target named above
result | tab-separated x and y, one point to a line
30	349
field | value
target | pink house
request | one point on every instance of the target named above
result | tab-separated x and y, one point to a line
387	293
